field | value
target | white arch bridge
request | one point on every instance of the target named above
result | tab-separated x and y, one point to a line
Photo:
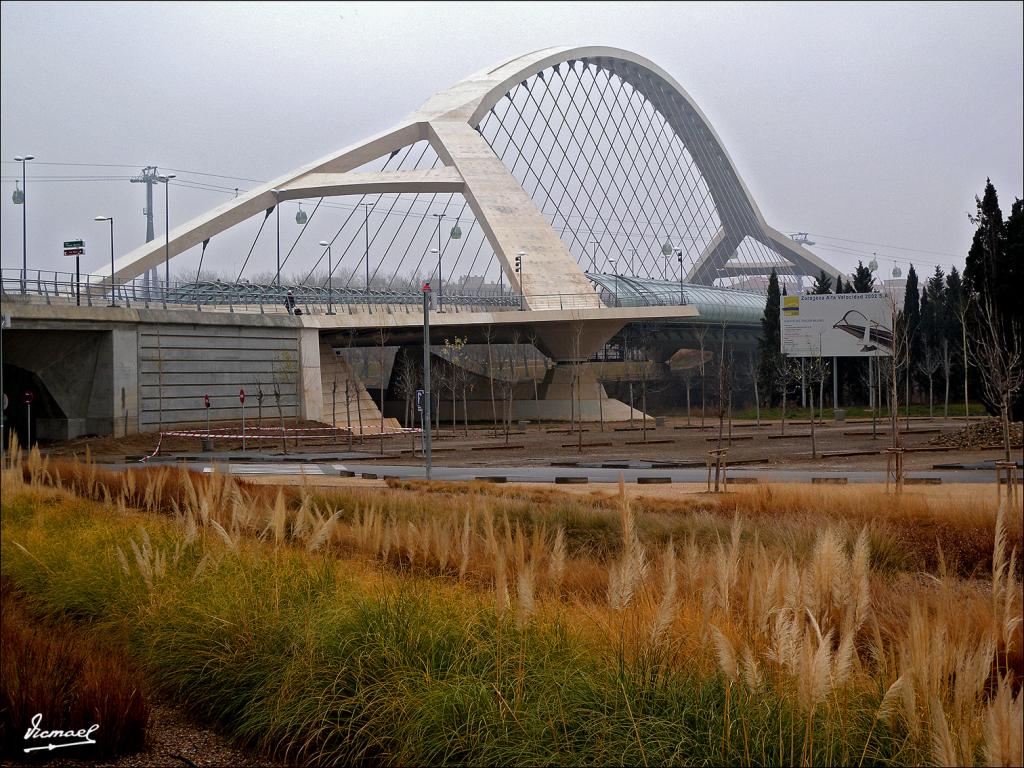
558	196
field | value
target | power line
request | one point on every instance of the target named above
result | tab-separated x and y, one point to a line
205	186
885	245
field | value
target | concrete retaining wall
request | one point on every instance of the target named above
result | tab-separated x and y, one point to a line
185	362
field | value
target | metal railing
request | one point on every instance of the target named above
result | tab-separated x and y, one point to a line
61	288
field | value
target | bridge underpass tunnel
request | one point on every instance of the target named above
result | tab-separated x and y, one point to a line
72	376
46	414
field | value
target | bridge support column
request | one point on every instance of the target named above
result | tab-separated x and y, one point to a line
556	401
311	398
125	379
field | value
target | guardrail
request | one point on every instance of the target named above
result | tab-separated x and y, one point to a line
62	288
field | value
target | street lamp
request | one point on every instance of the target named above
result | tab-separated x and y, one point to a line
166	181
24	221
113	286
366	231
427	461
277	210
679	258
439	216
593	255
330	274
440	308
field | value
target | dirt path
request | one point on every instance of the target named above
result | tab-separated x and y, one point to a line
175	741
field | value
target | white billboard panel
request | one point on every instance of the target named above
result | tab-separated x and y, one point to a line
836	325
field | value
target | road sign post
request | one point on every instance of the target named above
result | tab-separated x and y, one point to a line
426	378
76	248
241	399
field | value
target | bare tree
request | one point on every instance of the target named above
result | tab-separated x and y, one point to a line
785	372
488	339
334	401
280	413
574	392
752	371
962	313
348	407
928	365
513	359
406	381
532	338
946	365
259	402
351	391
382	335
817	371
702	332
998	352
724	385
286	372
899	360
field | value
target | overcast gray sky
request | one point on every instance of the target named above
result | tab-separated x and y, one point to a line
871	126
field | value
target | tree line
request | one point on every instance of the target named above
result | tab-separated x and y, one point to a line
962	332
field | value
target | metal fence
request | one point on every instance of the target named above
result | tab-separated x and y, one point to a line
62	288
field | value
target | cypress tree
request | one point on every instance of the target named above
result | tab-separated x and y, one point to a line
863	280
987	256
911	317
994	271
770	343
1012	281
951	322
822	284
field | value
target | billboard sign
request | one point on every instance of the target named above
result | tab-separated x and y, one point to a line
837	325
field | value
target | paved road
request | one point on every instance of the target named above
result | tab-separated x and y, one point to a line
593	474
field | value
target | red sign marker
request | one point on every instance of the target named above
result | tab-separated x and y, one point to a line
206	401
241	396
29	396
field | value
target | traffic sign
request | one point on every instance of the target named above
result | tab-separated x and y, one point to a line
419	400
241	396
74	243
206	401
29	396
74	251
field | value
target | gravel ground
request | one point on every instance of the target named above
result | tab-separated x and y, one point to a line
674	441
172	736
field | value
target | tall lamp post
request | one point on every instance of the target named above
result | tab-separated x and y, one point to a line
24	221
113	285
366	254
679	258
277	210
166	181
330	274
426	379
440	304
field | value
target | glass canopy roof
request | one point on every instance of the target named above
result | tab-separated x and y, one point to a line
716	305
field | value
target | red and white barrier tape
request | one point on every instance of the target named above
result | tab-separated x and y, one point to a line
312	432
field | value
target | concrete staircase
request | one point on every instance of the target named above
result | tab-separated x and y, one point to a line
334	373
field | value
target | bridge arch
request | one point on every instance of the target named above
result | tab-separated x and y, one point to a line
512	222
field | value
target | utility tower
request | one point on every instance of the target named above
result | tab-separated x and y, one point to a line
148	176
